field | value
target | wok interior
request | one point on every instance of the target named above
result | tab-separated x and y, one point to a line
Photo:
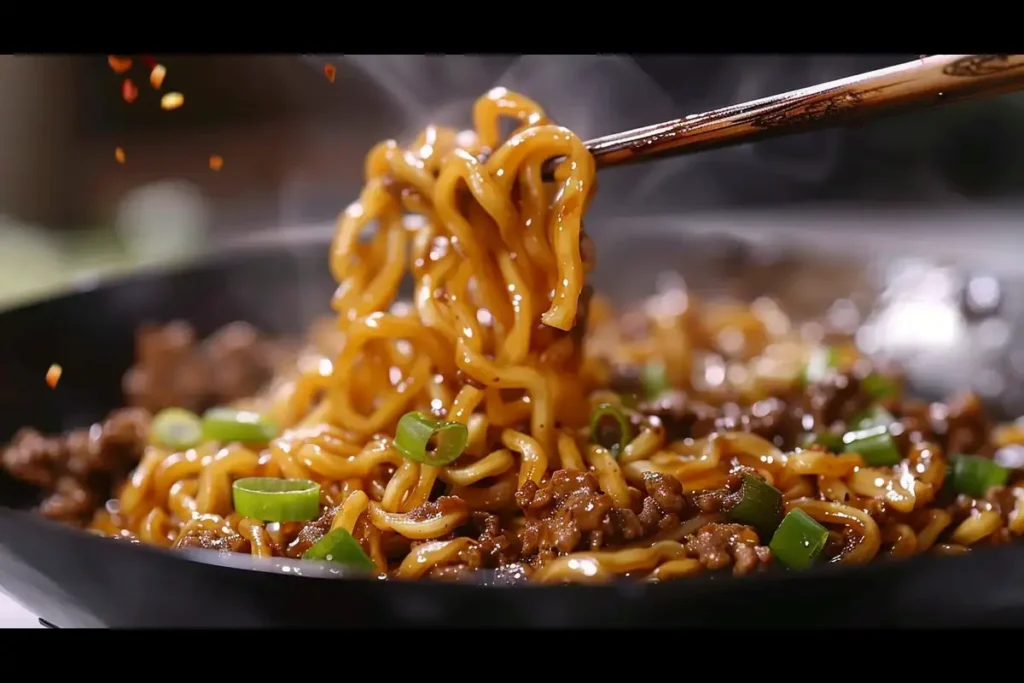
807	285
467	429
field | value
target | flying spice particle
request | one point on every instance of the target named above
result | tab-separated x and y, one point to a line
128	91
119	155
330	72
156	76
120	65
148	61
216	162
53	375
172	100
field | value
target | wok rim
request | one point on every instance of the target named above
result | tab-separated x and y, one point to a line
623	588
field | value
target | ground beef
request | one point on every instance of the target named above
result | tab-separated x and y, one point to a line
777	420
837	399
570	513
559	513
172	368
681	416
205	539
967	426
960	426
468	561
827	405
76	470
69	501
717	546
717	500
497	546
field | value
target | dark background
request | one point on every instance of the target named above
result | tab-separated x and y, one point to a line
293	142
293	145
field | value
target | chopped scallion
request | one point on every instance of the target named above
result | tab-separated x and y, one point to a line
875	446
975	475
655	379
609	427
829	440
874	417
341	547
276	500
428	441
760	506
798	541
228	424
176	428
878	385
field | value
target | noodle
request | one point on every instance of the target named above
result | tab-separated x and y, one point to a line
502	341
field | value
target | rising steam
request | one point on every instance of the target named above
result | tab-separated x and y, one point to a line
599	94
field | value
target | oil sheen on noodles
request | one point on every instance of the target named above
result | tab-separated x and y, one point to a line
493	339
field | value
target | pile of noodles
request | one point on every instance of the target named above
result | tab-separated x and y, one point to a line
491	339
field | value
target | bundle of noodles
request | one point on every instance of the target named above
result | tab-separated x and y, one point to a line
472	428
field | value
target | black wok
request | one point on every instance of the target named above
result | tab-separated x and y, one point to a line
73	579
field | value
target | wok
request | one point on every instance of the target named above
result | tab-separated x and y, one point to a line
73	579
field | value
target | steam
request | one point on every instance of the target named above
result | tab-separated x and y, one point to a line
591	94
599	94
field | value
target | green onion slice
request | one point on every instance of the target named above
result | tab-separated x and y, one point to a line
228	424
874	417
823	359
830	440
875	445
760	506
339	546
277	500
975	475
879	385
610	427
798	541
655	379
431	442
176	428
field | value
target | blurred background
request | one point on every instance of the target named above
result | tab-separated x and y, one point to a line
292	143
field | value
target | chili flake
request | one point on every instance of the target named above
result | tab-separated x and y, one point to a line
156	76
216	162
330	72
128	91
120	65
53	375
172	100
119	155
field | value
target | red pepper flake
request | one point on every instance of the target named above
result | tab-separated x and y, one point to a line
128	91
53	375
156	76
172	100
119	155
148	61
330	72
120	65
216	162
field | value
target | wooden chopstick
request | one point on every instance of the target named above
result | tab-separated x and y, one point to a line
924	82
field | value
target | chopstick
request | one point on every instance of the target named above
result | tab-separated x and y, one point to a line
928	81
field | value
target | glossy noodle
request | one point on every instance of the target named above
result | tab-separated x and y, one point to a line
504	420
